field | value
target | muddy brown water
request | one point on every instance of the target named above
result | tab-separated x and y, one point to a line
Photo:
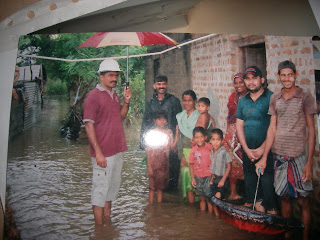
48	186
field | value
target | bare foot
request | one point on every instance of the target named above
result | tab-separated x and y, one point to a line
248	205
234	197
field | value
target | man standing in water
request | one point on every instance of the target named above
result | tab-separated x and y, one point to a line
103	115
292	112
162	100
252	125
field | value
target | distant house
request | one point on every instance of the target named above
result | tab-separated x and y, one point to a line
26	110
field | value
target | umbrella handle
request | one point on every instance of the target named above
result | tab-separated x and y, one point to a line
127	78
255	196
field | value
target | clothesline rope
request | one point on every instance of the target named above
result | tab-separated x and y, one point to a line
118	57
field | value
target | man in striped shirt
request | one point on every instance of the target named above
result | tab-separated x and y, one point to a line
291	110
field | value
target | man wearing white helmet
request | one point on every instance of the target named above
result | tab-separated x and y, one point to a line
103	115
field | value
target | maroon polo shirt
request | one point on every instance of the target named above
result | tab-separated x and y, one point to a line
103	109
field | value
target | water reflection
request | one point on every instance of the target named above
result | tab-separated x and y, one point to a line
49	181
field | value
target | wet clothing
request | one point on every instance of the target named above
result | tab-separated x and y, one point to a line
203	186
318	118
290	138
287	178
158	161
187	123
200	158
266	192
290	141
255	117
232	108
219	161
185	175
218	168
231	142
106	181
172	106
256	124
215	189
103	109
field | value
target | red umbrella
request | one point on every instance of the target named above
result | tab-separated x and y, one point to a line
103	39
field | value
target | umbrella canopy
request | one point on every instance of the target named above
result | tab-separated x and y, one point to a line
103	39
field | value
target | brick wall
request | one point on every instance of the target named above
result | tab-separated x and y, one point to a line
213	64
296	49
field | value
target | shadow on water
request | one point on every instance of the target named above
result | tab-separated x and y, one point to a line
49	181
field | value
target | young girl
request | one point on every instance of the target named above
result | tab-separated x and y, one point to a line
220	166
199	161
158	143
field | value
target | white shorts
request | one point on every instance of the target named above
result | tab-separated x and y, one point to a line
106	181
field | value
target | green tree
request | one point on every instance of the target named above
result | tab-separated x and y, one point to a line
79	74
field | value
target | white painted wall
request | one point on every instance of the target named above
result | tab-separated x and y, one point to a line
7	67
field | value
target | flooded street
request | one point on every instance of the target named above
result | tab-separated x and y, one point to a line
48	187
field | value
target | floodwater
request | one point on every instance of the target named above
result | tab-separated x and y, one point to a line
48	186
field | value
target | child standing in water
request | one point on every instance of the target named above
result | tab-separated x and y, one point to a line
199	161
220	166
205	120
158	143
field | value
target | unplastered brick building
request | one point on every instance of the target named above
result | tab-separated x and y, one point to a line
208	65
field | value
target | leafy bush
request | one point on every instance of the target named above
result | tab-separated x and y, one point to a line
56	87
138	95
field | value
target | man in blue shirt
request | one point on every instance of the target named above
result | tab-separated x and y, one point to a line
252	126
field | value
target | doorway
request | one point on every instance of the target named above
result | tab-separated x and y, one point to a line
254	55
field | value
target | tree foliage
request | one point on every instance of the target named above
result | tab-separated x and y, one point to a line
78	74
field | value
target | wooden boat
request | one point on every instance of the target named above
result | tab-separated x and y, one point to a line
247	219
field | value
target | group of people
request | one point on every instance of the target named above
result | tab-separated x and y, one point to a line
265	139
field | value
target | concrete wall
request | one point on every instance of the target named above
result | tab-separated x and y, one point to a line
175	65
16	119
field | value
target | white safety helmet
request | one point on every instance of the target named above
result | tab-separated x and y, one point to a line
109	64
